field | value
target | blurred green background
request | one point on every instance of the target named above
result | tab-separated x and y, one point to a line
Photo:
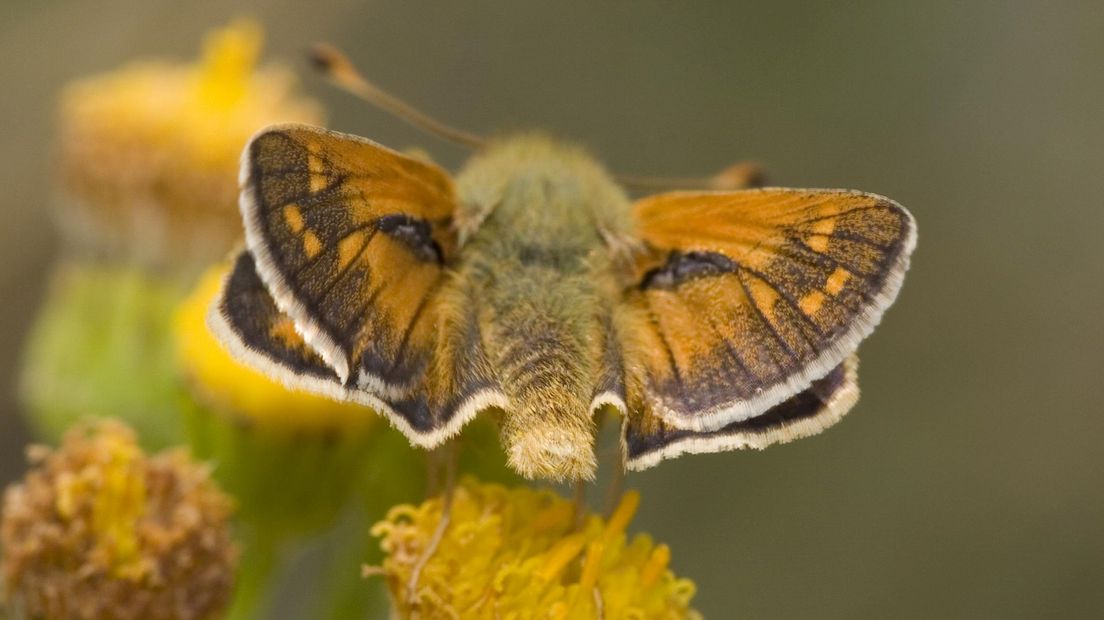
969	480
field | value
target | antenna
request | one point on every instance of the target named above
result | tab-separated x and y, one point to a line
341	71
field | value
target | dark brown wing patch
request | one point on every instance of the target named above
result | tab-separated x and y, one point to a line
648	439
246	313
457	384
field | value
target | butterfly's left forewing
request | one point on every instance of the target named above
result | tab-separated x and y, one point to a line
348	242
745	299
351	239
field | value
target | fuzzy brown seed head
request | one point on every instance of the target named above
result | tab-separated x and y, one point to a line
99	530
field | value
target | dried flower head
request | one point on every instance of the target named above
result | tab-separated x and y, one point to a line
519	553
99	530
149	154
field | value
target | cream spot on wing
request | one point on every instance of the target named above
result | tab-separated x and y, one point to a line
821	229
315	168
824	227
311	245
836	281
817	243
764	297
811	302
294	218
349	247
284	330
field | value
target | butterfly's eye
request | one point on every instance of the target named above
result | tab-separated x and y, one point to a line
682	266
415	233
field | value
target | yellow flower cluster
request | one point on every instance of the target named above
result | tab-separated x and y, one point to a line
100	530
116	486
242	390
149	153
523	553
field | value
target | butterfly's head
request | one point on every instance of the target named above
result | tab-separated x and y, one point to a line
534	183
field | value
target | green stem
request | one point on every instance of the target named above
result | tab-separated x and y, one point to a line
260	558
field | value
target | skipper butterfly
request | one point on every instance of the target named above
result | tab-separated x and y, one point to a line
530	285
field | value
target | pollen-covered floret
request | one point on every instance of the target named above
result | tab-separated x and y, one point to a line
519	552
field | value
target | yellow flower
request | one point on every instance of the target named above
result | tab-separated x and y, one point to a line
149	153
518	553
293	461
237	389
98	530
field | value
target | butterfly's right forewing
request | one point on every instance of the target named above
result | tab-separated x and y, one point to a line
744	299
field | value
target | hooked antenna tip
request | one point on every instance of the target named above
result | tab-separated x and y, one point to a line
328	60
331	63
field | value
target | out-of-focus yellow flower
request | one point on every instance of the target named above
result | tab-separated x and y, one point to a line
149	153
99	530
296	462
292	459
516	552
237	389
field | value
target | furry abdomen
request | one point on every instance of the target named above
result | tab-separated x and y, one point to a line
540	331
542	275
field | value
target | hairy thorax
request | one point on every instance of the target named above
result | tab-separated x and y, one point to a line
542	227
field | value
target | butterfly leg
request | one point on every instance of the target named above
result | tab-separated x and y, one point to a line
436	463
580	503
450	454
616	485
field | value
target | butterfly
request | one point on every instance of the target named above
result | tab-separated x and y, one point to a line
530	287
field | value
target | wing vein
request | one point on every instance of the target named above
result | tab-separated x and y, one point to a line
783	294
766	322
409	329
313	262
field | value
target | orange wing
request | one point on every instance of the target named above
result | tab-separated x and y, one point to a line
744	299
349	241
